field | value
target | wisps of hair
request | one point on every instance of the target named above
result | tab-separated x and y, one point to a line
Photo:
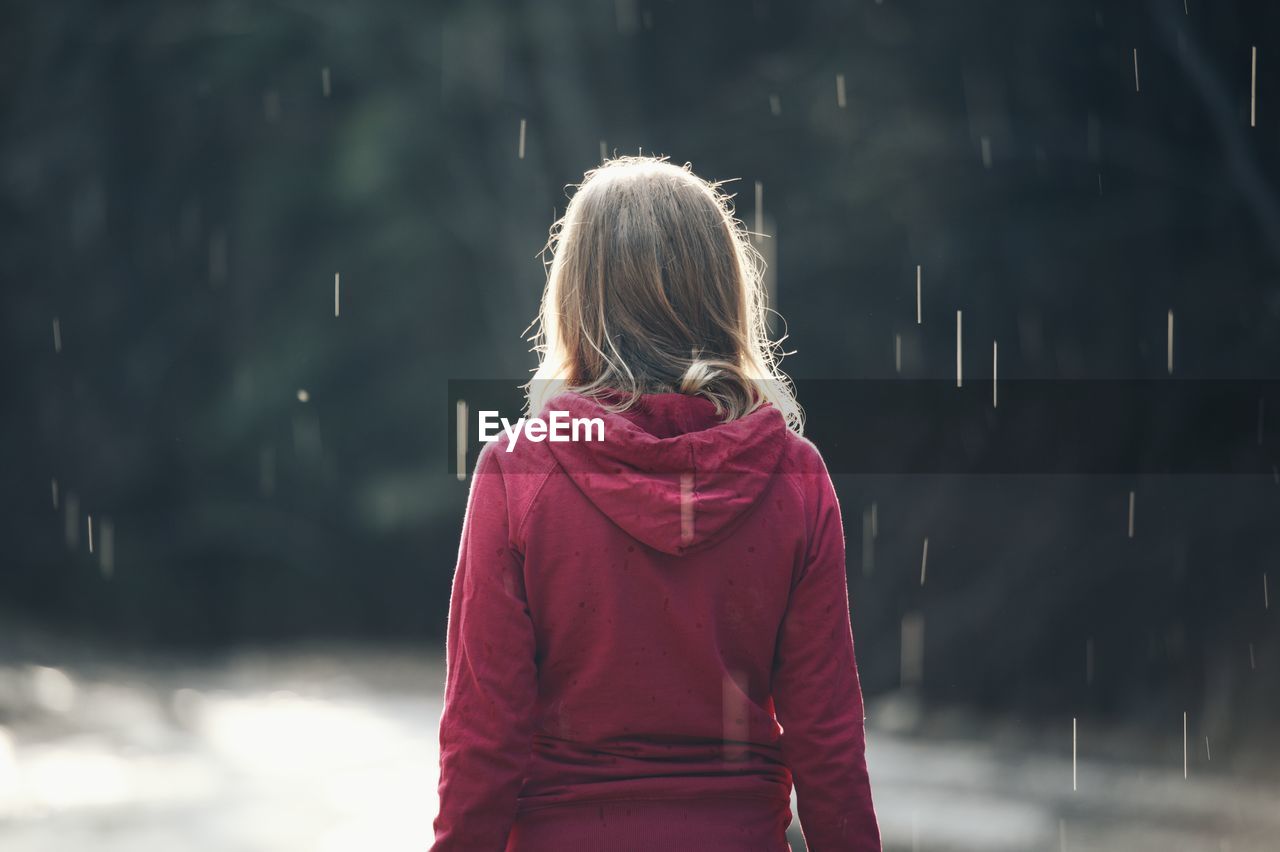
654	287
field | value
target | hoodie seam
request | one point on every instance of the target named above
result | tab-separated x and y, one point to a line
537	492
693	502
798	571
802	490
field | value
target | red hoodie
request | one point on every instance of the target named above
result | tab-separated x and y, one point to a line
649	641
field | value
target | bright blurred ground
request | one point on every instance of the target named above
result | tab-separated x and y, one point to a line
335	749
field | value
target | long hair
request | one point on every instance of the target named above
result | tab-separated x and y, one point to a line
654	287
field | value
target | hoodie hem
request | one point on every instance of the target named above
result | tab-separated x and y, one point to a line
523	808
634	823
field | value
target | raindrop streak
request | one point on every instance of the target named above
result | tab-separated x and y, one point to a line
604	151
54	483
918	305
267	471
912	660
734	691
924	560
57	335
897	353
628	20
1184	743
217	256
1266	597
71	521
324	81
958	356
1252	663
1136	86
868	543
335	294
840	99
107	550
775	105
1132	500
1208	755
271	105
1253	89
460	448
89	526
1099	183
523	124
759	208
1169	356
986	152
995	372
1073	753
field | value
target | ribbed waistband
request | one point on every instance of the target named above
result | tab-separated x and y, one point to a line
643	825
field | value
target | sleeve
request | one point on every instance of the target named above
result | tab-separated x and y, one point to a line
817	696
486	725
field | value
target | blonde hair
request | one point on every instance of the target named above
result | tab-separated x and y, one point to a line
654	287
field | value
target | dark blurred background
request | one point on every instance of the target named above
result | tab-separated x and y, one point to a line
183	182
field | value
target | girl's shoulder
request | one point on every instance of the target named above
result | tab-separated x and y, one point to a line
801	456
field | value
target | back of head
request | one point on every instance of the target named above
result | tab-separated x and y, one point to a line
654	287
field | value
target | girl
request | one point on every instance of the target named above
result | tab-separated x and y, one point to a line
649	637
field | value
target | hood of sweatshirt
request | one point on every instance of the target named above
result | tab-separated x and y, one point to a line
669	472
